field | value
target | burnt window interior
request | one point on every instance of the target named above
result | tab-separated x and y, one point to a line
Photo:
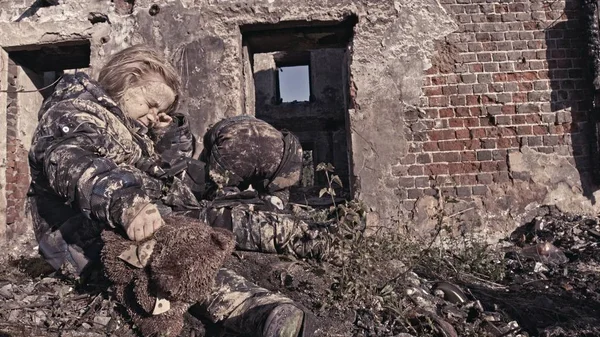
33	72
45	64
298	77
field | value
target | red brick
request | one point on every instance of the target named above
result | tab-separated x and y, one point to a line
438	80
430	146
436	169
452	145
508	109
489	143
472	100
525	86
469	179
500	77
440	101
458	100
462	112
450	90
540	130
424	158
471	122
447	157
556	129
467	156
455	168
505	143
476	67
415	170
478	133
441	134
529	76
431	113
507	131
463	134
512	77
432	91
431	71
446	112
519	119
524	130
489	166
543	75
472	144
456	122
475	111
471	167
519	97
532	119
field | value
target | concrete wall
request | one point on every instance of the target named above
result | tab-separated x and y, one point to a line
465	97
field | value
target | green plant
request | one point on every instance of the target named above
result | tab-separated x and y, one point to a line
328	169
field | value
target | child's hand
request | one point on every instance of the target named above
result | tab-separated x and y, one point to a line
146	222
162	121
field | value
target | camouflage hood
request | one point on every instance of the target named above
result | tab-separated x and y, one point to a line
80	85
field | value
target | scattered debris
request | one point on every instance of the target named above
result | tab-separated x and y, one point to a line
97	17
545	282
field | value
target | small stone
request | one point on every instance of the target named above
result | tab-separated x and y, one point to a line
14	315
30	299
7	291
39	317
101	320
86	325
539	267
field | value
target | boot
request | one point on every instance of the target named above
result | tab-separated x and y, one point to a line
243	308
271	232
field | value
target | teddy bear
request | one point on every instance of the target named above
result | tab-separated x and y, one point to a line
158	279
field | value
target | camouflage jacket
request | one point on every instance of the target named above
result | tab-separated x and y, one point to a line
90	163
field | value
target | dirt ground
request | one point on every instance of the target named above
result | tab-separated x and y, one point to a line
542	280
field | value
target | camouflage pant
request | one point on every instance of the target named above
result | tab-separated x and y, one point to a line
271	232
239	304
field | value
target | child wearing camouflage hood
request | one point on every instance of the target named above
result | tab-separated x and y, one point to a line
108	155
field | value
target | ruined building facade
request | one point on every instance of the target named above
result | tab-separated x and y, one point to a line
484	102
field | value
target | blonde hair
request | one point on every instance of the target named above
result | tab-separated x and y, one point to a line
127	68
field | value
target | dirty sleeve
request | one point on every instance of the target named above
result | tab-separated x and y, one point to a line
83	164
175	141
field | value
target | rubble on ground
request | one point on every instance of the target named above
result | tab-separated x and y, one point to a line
545	281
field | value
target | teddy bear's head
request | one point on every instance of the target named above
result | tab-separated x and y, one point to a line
186	257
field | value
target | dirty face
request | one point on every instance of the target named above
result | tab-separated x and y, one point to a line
148	101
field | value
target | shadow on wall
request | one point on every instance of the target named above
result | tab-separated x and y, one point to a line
571	89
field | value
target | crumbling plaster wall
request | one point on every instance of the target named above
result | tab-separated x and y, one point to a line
389	54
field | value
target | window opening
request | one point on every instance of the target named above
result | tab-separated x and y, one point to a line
297	78
294	83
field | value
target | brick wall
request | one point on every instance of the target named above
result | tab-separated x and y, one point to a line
512	75
17	168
